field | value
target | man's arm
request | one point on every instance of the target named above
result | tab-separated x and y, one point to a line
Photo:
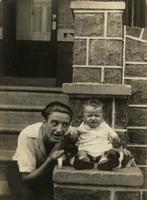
34	176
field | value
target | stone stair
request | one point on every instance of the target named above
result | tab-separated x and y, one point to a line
19	107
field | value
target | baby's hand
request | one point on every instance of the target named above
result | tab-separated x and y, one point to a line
116	142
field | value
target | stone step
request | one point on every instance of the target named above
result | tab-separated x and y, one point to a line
27	81
8	141
6	155
16	120
31	97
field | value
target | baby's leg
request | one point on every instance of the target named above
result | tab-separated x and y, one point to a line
83	161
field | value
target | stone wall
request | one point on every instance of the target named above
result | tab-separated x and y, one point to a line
136	75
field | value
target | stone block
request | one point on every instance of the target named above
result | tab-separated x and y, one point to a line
137	117
135	50
89	24
113	76
127	195
93	5
79	52
114	25
139	92
140	154
80	193
121	113
85	74
123	137
137	136
105	52
119	177
144	195
97	89
144	172
136	70
133	31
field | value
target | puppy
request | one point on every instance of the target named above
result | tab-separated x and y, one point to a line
70	150
115	158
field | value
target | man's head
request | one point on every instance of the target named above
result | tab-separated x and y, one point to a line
93	113
57	120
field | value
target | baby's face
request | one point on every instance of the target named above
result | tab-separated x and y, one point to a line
93	116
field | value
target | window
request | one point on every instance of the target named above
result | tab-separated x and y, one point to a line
34	19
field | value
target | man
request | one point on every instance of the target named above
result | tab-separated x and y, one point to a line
39	146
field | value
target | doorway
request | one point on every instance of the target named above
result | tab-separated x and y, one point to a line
29	42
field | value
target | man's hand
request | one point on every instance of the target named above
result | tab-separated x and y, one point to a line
56	154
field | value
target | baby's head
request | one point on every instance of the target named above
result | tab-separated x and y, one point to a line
93	113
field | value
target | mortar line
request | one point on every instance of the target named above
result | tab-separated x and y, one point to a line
105	25
124	57
135	78
137	39
136	63
98	66
141	33
113	112
112	195
141	194
137	127
138	105
99	38
102	75
87	52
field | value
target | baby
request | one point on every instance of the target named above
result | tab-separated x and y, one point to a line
95	136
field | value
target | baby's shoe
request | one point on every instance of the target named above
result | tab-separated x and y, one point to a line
83	163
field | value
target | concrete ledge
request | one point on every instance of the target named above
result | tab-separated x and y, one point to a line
97	89
93	5
120	177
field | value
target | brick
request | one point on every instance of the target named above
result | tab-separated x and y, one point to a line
132	31
87	75
139	92
77	105
78	194
94	24
137	117
144	172
140	154
136	70
127	195
145	34
105	52
135	50
114	25
113	76
118	177
79	52
121	113
137	136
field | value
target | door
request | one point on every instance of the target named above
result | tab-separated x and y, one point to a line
35	39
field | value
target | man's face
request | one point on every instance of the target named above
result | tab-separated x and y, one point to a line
56	126
93	116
